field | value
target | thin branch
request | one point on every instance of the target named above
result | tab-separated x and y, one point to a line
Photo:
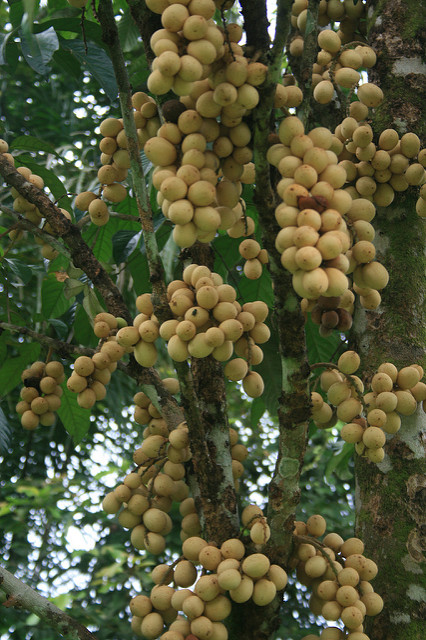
294	402
282	27
64	349
21	595
111	38
310	49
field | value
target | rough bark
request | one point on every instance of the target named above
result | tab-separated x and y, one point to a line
22	596
390	496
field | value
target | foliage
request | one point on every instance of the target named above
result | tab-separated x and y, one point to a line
59	81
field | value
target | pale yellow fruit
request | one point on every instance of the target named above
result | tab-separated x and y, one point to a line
370	94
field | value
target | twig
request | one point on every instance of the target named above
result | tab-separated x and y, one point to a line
58	346
21	595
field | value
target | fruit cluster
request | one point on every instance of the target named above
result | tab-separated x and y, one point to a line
41	395
339	575
377	171
255	257
348	15
209	320
115	159
228	575
316	240
149	491
368	416
92	374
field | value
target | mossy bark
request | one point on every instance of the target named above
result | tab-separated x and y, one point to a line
390	496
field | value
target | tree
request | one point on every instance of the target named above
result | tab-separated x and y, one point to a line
242	235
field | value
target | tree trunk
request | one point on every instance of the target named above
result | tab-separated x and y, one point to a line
390	496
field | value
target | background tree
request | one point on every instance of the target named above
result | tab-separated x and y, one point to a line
52	487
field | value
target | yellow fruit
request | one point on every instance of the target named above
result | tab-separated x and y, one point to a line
370	94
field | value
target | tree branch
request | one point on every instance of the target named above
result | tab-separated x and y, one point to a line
294	403
256	25
21	595
27	225
310	49
81	254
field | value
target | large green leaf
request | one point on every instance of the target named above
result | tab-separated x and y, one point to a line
39	48
96	61
321	349
101	238
72	24
257	410
128	32
124	243
10	375
19	269
83	330
31	143
260	289
271	371
53	301
75	419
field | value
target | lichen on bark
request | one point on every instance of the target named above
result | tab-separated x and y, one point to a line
389	496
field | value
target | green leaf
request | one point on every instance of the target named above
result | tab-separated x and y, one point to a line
53	300
260	289
124	243
339	463
257	410
72	288
321	349
31	143
72	24
68	63
83	330
138	267
91	304
39	48
128	32
62	329
271	371
5	432
151	392
75	419
21	270
96	61
10	372
100	238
